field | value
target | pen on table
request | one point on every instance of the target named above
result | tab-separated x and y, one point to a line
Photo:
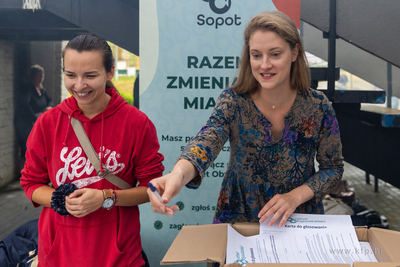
155	192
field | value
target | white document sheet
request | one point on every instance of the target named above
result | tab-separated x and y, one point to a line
367	253
305	238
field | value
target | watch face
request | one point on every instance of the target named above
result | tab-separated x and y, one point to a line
108	203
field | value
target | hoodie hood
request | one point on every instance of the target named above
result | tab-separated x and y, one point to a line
70	107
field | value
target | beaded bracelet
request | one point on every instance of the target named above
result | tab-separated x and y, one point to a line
115	195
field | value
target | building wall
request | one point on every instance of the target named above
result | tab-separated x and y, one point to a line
46	54
8	142
64	92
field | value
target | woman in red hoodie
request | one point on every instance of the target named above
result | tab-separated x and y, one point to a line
99	225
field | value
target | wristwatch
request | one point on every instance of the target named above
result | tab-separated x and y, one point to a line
109	199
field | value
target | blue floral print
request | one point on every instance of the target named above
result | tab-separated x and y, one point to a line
260	167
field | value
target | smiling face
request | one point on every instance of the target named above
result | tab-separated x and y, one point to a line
270	59
85	78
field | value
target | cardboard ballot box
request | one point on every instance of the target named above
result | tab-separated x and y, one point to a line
207	243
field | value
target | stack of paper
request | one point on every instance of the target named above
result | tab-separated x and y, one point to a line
305	238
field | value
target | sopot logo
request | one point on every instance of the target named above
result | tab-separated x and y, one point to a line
221	8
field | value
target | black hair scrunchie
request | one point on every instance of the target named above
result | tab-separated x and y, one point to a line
58	198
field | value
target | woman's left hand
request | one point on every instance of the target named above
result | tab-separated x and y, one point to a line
278	205
284	205
81	202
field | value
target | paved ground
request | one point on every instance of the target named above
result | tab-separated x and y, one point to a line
16	209
386	201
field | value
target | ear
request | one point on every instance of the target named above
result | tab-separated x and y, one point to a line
110	75
295	52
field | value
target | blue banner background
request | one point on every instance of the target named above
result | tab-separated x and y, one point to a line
172	32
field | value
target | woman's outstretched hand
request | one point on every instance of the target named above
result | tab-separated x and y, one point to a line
167	186
170	185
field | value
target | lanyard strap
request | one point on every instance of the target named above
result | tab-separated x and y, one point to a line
93	157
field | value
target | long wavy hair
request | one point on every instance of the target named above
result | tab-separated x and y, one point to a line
284	26
93	43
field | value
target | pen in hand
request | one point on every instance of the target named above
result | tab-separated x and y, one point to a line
155	192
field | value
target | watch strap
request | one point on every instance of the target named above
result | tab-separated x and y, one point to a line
108	193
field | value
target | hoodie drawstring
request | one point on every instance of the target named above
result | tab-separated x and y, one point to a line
69	124
101	142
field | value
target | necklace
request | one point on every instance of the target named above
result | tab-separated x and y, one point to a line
280	104
286	100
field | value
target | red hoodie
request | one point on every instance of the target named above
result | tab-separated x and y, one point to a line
129	146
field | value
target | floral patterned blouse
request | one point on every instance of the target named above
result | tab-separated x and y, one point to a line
258	167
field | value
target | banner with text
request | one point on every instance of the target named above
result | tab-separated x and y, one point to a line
189	53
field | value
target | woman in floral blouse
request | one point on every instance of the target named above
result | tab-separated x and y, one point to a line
276	126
